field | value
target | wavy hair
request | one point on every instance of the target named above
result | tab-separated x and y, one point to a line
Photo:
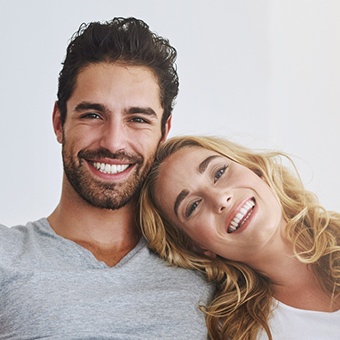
242	301
125	40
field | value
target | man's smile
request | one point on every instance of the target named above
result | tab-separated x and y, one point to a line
110	168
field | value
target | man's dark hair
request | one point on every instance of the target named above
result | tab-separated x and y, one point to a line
126	40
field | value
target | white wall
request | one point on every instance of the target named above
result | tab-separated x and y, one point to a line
264	73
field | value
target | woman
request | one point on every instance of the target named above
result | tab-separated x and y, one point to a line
246	220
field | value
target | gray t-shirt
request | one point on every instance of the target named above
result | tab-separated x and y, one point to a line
52	288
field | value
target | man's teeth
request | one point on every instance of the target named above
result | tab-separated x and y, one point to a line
241	216
110	168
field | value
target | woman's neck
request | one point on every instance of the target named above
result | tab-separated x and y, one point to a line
294	283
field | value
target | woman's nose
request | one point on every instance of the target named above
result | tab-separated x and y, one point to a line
221	200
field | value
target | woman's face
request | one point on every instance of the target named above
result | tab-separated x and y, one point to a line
223	206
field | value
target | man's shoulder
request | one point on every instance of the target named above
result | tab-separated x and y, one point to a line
163	272
17	236
22	228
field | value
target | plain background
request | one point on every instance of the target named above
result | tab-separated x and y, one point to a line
264	73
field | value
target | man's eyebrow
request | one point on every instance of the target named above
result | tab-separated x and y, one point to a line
202	167
143	110
89	106
179	199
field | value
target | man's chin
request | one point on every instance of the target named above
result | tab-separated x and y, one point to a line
110	201
112	206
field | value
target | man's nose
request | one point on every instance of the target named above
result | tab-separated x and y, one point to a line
114	136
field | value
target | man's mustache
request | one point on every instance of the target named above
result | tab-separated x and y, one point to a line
104	153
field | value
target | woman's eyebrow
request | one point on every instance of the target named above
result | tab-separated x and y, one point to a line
179	200
203	166
184	193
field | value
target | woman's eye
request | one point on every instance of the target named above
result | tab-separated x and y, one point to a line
191	208
219	173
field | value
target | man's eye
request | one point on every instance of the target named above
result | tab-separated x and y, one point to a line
219	173
91	116
139	120
191	208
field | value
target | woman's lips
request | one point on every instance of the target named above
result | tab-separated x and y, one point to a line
241	216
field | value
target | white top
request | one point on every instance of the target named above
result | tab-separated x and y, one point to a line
288	323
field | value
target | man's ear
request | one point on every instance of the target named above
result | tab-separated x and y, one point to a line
167	128
57	125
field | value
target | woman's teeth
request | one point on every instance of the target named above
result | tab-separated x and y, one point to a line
241	216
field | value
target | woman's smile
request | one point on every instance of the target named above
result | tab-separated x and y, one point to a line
241	216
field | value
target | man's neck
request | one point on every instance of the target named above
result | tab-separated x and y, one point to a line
108	234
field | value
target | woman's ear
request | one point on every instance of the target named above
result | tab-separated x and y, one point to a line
202	250
209	253
258	173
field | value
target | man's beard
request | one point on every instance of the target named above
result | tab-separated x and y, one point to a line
99	193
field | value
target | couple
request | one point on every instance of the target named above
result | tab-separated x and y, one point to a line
238	217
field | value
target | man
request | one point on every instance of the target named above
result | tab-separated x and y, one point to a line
85	271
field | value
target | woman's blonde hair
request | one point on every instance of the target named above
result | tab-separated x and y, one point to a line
243	297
